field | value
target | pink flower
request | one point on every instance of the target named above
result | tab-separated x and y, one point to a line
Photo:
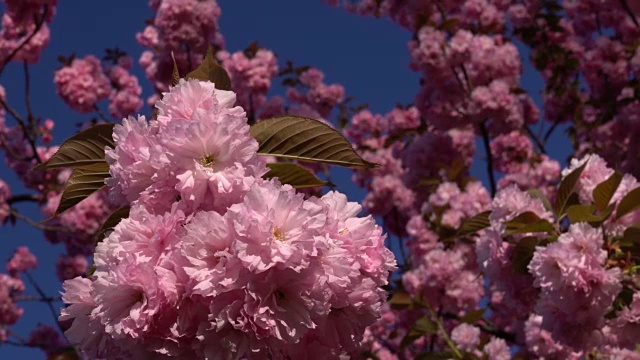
22	260
187	23
189	95
134	162
593	174
213	158
5	194
69	267
466	337
497	349
276	227
511	202
131	296
124	99
82	84
10	312
48	339
250	75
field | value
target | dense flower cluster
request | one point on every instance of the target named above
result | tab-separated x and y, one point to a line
179	25
215	262
82	84
124	99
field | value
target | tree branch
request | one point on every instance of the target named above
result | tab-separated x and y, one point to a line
23	125
536	140
23	198
29	221
102	116
54	313
487	148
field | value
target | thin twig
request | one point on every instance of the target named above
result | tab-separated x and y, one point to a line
102	116
54	313
400	240
536	140
547	135
37	298
487	148
23	125
27	96
442	330
23	198
29	221
39	23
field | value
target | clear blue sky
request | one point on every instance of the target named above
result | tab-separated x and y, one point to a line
368	56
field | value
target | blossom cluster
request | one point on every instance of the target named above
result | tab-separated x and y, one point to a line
82	83
178	25
215	262
470	87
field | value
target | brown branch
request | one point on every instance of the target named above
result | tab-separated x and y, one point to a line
23	198
487	148
37	298
37	225
27	97
547	135
54	313
536	140
23	125
102	116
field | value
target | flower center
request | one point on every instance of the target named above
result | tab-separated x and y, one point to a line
278	234
208	160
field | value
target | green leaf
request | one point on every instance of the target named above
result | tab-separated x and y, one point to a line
603	193
474	224
566	189
83	150
401	301
295	175
523	253
538	226
209	70
629	203
538	194
81	184
526	217
585	213
91	270
473	316
112	221
622	300
631	239
304	139
423	326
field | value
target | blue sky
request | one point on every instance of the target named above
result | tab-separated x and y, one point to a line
367	55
